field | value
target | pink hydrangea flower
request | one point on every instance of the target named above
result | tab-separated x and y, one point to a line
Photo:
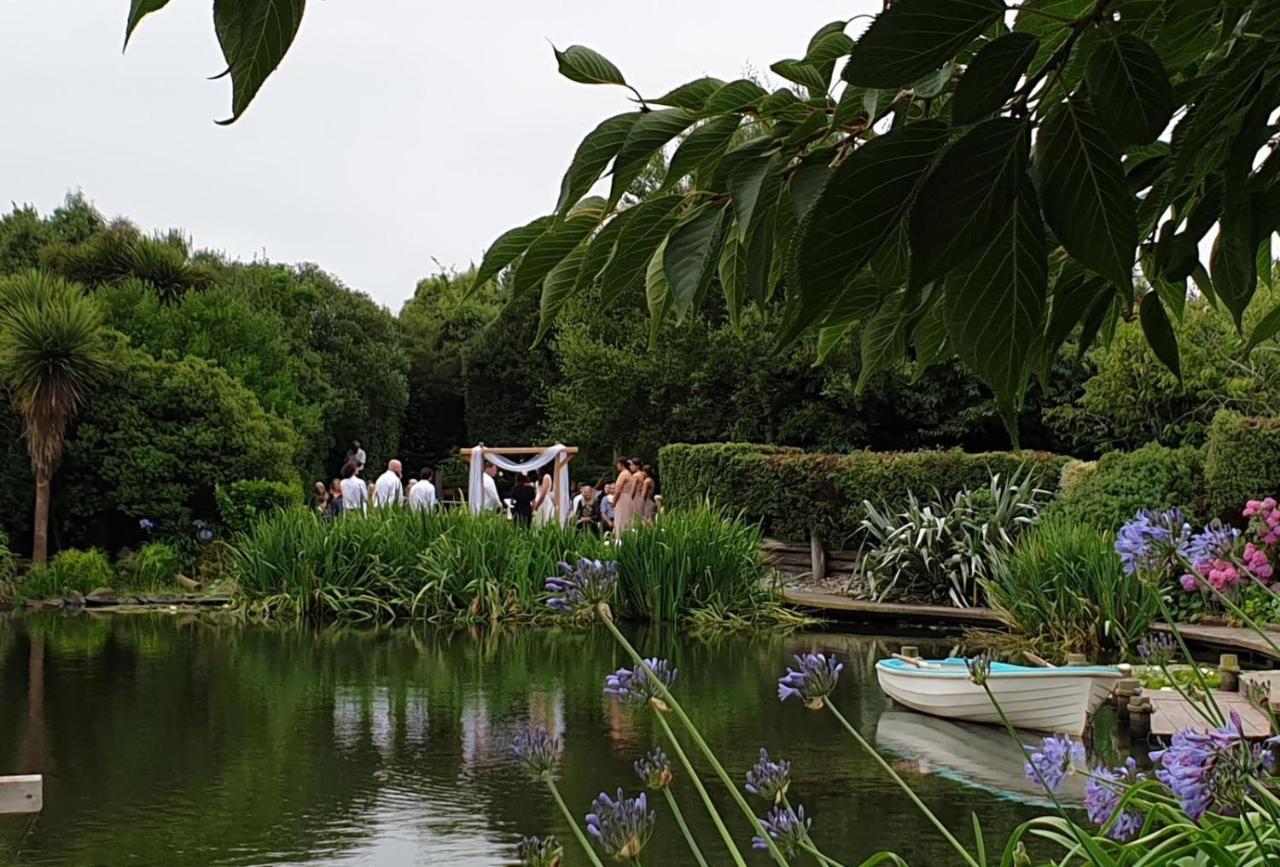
1189	583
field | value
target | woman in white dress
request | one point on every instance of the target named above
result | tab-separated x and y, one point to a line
544	507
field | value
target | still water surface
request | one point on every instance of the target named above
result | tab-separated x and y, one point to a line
177	741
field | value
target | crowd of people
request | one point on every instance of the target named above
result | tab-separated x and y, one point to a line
629	499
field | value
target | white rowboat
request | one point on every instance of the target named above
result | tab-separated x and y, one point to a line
1040	699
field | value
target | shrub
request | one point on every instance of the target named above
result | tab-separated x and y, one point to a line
70	571
241	503
1062	590
1073	475
1242	461
1153	477
158	564
939	550
789	492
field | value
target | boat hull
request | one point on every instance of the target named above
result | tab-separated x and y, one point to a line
1048	700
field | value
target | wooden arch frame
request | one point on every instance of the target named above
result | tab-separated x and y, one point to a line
569	453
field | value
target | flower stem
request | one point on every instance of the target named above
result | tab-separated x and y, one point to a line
702	792
568	817
1195	667
684	827
809	846
701	743
902	784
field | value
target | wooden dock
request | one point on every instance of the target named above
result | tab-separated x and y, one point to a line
1170	712
841	607
22	794
1228	637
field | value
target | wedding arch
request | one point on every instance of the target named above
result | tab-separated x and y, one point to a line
501	457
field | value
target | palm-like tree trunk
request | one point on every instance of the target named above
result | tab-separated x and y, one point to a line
40	537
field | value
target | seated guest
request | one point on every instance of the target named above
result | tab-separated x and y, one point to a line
607	512
587	512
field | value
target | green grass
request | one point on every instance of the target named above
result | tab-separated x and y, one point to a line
451	565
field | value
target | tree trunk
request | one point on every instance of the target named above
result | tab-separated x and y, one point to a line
40	542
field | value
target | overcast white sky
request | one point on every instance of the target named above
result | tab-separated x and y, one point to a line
395	131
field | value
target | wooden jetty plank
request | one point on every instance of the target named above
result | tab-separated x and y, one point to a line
1170	712
21	794
1232	637
836	605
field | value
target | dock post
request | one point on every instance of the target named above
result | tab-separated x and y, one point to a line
1077	659
1139	716
1126	689
1229	671
910	650
817	557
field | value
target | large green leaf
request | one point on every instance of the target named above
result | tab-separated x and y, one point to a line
706	143
1047	20
732	269
508	247
657	292
601	145
254	35
992	76
581	64
552	247
691	256
139	9
1159	332
1075	293
994	302
734	96
651	131
930	339
914	37
558	287
884	340
1233	261
692	95
645	227
860	205
1266	329
968	198
1086	201
1130	88
1188	31
600	253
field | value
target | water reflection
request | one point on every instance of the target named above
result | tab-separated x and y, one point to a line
192	742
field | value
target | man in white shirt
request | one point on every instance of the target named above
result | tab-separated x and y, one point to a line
423	494
491	501
388	491
355	493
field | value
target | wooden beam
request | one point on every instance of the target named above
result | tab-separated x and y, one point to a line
21	794
569	451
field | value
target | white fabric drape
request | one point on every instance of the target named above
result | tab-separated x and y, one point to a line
475	482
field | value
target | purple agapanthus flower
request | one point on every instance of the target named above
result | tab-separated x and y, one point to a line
146	525
621	826
1102	798
1212	770
1158	649
769	779
1214	542
1153	541
813	680
787	827
205	535
1050	765
582	586
638	686
537	752
654	770
539	852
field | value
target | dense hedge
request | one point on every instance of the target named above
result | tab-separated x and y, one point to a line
1120	483
791	492
1242	461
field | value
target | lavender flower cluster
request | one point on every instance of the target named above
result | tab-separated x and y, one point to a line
1052	763
1103	793
787	827
638	686
769	779
581	586
537	752
812	681
1213	770
621	826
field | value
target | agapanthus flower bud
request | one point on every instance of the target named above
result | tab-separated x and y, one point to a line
979	668
654	770
769	779
539	852
1103	793
583	586
537	752
812	681
621	826
787	827
638	686
1158	649
1050	765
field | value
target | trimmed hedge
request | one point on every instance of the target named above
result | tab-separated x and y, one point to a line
1242	462
790	492
241	503
1121	483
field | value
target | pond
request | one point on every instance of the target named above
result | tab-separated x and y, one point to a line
170	740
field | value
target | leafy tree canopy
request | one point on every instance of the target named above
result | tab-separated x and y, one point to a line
963	178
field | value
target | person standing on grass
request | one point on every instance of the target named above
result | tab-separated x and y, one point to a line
355	496
523	494
423	494
607	514
389	491
320	498
357	456
490	502
622	496
335	498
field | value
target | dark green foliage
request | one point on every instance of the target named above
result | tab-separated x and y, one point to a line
156	439
120	251
70	571
791	493
505	376
155	567
241	504
1242	462
1152	477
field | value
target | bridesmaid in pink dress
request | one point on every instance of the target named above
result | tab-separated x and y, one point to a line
638	479
622	498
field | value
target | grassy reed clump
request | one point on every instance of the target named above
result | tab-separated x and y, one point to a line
1063	590
452	565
